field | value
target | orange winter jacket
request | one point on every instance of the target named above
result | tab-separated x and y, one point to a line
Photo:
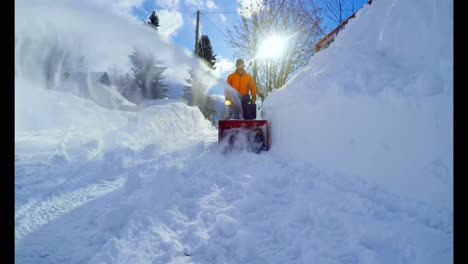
242	84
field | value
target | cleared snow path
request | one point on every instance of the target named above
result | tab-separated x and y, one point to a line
198	206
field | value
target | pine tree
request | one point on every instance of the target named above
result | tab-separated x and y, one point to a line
205	51
208	109
124	84
60	63
153	20
147	75
157	87
194	91
195	95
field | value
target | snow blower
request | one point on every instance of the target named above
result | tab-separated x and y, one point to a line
253	135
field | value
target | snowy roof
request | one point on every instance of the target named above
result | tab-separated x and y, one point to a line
90	77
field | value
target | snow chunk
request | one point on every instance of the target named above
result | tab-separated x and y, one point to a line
226	225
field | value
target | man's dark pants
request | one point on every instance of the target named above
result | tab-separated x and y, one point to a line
235	111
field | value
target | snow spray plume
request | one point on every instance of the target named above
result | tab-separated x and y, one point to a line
71	36
54	39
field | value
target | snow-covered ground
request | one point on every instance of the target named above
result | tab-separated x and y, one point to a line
360	171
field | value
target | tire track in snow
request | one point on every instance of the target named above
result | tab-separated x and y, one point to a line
37	213
207	208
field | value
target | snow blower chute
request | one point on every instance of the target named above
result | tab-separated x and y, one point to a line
251	134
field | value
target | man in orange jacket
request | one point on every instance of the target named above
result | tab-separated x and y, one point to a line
242	82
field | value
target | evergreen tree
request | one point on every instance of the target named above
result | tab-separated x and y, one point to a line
195	95
146	80
205	51
124	85
59	63
194	92
147	75
208	109
153	20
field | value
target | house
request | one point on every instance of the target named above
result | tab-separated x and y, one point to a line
97	87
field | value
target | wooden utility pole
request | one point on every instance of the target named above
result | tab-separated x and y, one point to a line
196	32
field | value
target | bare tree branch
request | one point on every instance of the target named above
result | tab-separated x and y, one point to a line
285	18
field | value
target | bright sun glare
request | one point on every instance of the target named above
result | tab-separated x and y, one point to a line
272	47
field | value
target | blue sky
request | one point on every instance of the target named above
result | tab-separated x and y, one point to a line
177	22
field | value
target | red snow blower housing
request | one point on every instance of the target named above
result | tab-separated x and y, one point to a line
251	134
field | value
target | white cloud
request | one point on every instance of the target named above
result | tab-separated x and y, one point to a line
194	3
128	4
170	21
170	4
122	7
223	18
249	5
209	4
223	65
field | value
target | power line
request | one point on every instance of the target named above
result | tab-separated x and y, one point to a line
216	27
229	12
